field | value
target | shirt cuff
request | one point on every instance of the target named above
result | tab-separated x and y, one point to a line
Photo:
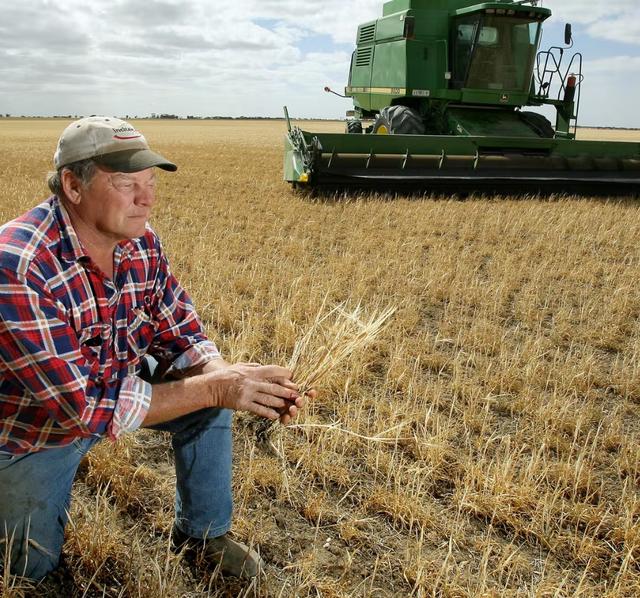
131	408
194	356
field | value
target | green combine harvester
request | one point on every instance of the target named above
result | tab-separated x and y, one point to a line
440	88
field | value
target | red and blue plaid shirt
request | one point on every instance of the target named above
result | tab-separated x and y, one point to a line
72	340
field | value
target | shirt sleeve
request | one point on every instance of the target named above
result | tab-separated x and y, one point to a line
133	404
180	341
40	352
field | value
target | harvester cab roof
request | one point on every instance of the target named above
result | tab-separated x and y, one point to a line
439	89
493	49
448	51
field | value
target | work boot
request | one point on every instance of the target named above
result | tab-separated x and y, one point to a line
234	558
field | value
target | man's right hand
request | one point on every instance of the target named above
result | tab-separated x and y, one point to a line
266	390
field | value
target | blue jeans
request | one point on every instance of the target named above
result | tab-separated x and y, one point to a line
35	489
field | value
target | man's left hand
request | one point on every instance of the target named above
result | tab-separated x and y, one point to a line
287	413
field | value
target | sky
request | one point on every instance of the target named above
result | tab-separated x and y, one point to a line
252	57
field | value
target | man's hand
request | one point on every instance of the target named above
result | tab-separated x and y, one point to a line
266	390
288	412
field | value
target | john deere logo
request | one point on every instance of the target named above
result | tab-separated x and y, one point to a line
504	98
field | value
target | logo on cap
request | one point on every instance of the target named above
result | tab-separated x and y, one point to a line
126	133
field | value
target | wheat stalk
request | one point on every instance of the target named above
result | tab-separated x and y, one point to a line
332	338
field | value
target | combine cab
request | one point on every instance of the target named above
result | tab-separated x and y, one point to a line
440	90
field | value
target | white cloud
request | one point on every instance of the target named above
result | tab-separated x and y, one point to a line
173	53
615	20
624	65
579	11
625	29
335	18
247	57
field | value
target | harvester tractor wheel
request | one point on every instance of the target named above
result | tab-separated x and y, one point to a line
398	120
539	123
354	127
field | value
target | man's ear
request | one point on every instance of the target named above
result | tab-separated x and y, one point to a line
71	185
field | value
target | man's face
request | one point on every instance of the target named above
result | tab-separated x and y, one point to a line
116	204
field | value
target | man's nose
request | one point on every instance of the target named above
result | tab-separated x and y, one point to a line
145	194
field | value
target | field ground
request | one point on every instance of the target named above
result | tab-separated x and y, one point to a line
486	445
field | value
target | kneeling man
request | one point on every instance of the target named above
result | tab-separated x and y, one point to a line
90	316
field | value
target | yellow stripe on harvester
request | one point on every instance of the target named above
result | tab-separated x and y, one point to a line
393	91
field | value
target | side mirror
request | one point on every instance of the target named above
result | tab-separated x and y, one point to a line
567	34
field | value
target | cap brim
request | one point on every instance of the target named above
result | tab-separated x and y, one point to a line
134	161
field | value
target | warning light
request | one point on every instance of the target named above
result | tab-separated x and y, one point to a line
570	90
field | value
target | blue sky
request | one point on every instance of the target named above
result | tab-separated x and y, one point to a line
250	57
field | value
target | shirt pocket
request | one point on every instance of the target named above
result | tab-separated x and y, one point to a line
91	342
141	329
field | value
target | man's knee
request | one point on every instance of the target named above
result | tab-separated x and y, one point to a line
192	425
220	418
25	556
34	501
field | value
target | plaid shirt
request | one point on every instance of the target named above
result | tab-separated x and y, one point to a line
72	340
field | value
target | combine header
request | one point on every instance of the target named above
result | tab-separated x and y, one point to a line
439	88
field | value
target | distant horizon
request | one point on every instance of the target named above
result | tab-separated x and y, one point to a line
220	117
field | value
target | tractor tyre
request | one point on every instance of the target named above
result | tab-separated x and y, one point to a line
539	123
354	127
398	120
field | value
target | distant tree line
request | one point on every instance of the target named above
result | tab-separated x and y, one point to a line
167	117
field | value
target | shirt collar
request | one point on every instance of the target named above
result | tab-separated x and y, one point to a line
71	248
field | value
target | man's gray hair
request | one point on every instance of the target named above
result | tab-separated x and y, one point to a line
82	169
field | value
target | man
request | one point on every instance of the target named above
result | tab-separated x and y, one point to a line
86	297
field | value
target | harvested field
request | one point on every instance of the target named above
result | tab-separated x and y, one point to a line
487	444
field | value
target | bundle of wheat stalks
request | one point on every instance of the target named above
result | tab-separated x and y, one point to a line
333	337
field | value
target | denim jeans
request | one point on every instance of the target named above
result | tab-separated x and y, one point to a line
35	489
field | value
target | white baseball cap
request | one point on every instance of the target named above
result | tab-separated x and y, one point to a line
109	141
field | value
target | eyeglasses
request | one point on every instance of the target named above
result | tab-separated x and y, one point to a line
128	185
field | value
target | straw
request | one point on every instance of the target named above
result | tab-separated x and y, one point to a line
331	340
